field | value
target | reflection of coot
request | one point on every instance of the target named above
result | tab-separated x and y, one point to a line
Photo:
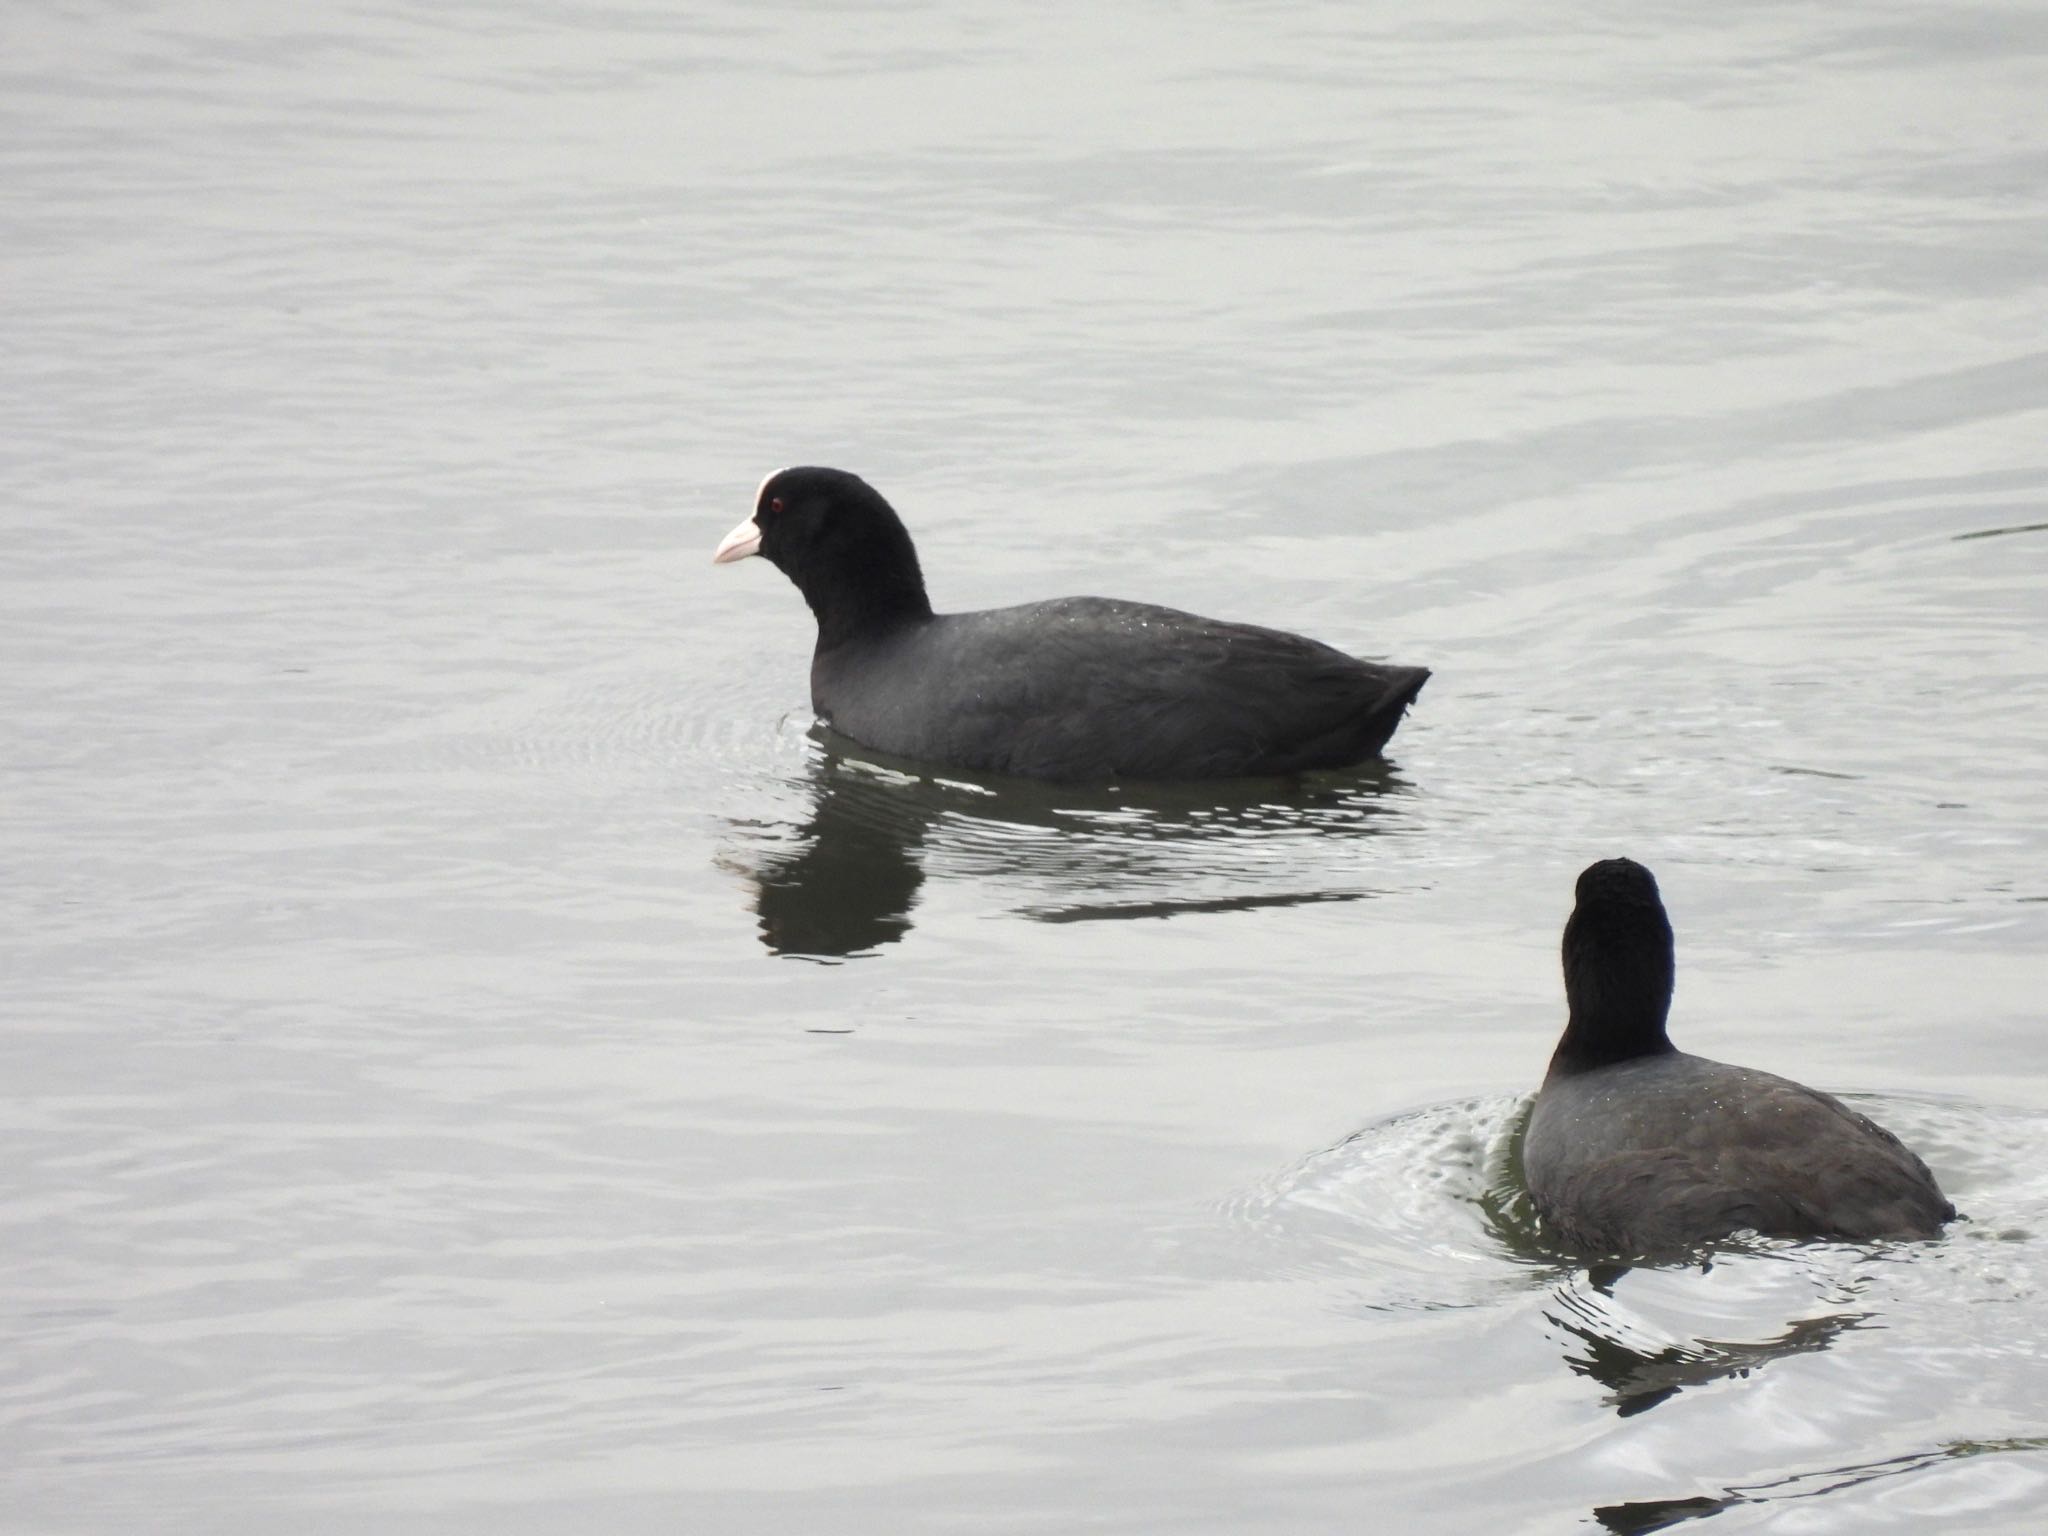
1646	1515
1641	1516
849	881
1640	1377
849	886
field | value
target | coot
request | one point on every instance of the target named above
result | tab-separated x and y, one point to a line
1076	688
1636	1148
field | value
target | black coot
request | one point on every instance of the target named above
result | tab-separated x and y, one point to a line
1635	1148
1076	688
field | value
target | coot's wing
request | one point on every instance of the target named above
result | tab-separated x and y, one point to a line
1752	1152
1829	1170
1086	687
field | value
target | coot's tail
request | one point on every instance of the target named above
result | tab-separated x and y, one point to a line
1364	728
1377	723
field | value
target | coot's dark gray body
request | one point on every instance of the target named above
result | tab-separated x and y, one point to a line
1093	688
1664	1153
1075	688
1636	1148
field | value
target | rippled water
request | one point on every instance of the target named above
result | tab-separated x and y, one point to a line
478	1058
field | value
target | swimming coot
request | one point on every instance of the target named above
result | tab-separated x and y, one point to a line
1076	688
1635	1148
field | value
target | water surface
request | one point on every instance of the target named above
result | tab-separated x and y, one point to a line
478	1059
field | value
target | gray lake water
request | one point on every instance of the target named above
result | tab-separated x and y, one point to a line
475	1059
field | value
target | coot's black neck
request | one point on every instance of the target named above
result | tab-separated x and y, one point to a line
866	589
1618	975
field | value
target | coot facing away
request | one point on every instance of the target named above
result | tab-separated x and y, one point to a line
1075	688
1636	1148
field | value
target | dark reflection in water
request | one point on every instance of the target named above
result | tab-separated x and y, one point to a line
1638	1377
848	886
1644	1515
844	882
2000	533
1088	912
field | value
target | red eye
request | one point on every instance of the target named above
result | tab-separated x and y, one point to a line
774	503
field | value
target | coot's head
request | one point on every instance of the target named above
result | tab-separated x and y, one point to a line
832	534
1618	967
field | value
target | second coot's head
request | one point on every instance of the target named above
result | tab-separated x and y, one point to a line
1618	967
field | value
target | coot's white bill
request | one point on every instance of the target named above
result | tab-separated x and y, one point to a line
743	541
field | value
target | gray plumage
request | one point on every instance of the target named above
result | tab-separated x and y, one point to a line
1636	1148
